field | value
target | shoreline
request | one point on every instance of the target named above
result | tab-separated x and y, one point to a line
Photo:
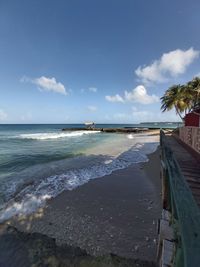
114	214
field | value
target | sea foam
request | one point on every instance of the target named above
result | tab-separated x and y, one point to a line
45	136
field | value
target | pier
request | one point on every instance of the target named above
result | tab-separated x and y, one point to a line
113	130
109	130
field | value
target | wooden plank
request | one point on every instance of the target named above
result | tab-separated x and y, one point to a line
193	180
196	193
190	172
195	187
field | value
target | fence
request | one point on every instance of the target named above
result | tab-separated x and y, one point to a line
185	212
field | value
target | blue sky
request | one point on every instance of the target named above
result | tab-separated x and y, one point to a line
108	61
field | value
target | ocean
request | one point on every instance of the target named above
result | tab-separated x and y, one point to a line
38	162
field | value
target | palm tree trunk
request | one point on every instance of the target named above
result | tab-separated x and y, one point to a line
178	112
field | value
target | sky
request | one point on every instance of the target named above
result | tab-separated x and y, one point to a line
107	61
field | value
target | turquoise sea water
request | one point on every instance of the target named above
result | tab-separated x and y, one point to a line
38	162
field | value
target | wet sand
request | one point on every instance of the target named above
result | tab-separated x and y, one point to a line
115	214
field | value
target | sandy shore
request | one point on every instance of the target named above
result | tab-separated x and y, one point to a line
115	214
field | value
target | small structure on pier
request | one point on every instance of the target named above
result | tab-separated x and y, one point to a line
90	125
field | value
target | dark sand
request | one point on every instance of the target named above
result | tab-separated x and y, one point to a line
115	214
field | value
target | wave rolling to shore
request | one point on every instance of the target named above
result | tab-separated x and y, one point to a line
30	188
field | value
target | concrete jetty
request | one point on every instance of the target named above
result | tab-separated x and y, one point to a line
110	130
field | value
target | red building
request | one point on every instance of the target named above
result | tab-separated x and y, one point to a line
193	118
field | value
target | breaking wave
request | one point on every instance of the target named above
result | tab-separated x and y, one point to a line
45	136
35	194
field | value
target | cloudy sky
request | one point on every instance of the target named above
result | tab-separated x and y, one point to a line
109	61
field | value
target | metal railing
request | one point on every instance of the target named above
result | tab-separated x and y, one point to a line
184	209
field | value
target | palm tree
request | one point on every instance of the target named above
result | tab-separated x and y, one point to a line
184	98
175	97
192	91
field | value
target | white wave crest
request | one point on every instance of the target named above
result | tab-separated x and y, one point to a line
45	136
130	136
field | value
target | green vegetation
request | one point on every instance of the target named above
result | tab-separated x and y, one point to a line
184	98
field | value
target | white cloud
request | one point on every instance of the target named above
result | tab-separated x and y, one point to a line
92	108
169	65
115	98
50	84
92	89
138	95
47	84
3	115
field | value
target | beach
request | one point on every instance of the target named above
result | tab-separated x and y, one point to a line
115	214
88	195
